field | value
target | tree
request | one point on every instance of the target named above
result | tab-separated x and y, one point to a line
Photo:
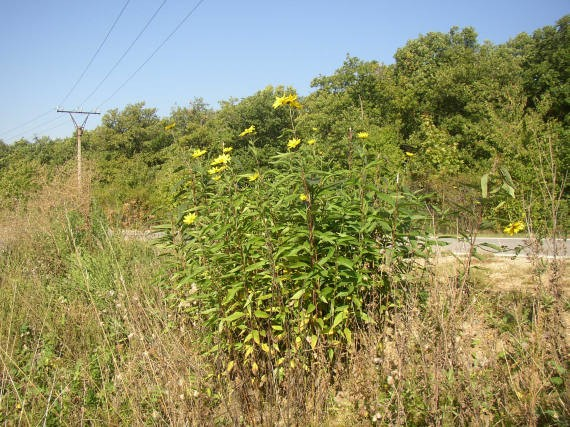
236	116
547	68
130	130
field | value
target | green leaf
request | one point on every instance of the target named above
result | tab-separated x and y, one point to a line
348	335
509	189
298	294
507	176
234	316
338	319
255	335
485	185
493	246
255	266
345	262
261	314
313	341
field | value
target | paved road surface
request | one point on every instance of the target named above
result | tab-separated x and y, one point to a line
507	245
501	246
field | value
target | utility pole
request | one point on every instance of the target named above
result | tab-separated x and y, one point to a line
79	131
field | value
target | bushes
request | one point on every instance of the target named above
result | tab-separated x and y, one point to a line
284	265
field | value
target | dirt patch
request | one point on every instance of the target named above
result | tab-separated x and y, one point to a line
506	274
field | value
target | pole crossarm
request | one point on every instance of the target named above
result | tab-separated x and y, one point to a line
79	131
72	112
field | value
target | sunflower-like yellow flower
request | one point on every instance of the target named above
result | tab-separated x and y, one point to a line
303	197
252	177
189	218
514	228
292	143
198	153
222	159
290	100
311	141
362	135
228	149
279	101
214	170
249	130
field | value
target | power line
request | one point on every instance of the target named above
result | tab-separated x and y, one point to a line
8	131
188	15
23	125
149	21
26	130
95	54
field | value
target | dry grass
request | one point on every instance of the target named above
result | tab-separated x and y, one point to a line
486	351
89	337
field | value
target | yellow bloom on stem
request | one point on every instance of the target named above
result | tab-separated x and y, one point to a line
311	141
303	197
292	143
228	149
222	159
189	218
278	101
514	228
214	170
290	100
252	177
362	135
198	153
249	130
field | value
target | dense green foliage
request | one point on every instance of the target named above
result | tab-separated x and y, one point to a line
462	107
293	230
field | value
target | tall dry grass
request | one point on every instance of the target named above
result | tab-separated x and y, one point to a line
88	336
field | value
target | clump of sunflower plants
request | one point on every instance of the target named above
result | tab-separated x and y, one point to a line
284	263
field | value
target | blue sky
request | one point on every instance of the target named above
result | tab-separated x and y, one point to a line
225	48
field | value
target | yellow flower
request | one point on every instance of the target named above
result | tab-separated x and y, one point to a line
198	153
253	176
216	170
514	228
311	141
170	126
293	143
278	101
409	154
217	177
249	130
190	218
290	100
362	135
222	159
303	197
228	149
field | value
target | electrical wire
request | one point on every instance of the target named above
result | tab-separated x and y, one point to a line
95	54
188	15
149	21
22	131
9	131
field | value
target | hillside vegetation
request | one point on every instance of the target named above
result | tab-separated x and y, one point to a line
296	277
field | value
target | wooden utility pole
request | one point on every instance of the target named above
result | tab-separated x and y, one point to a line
79	131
